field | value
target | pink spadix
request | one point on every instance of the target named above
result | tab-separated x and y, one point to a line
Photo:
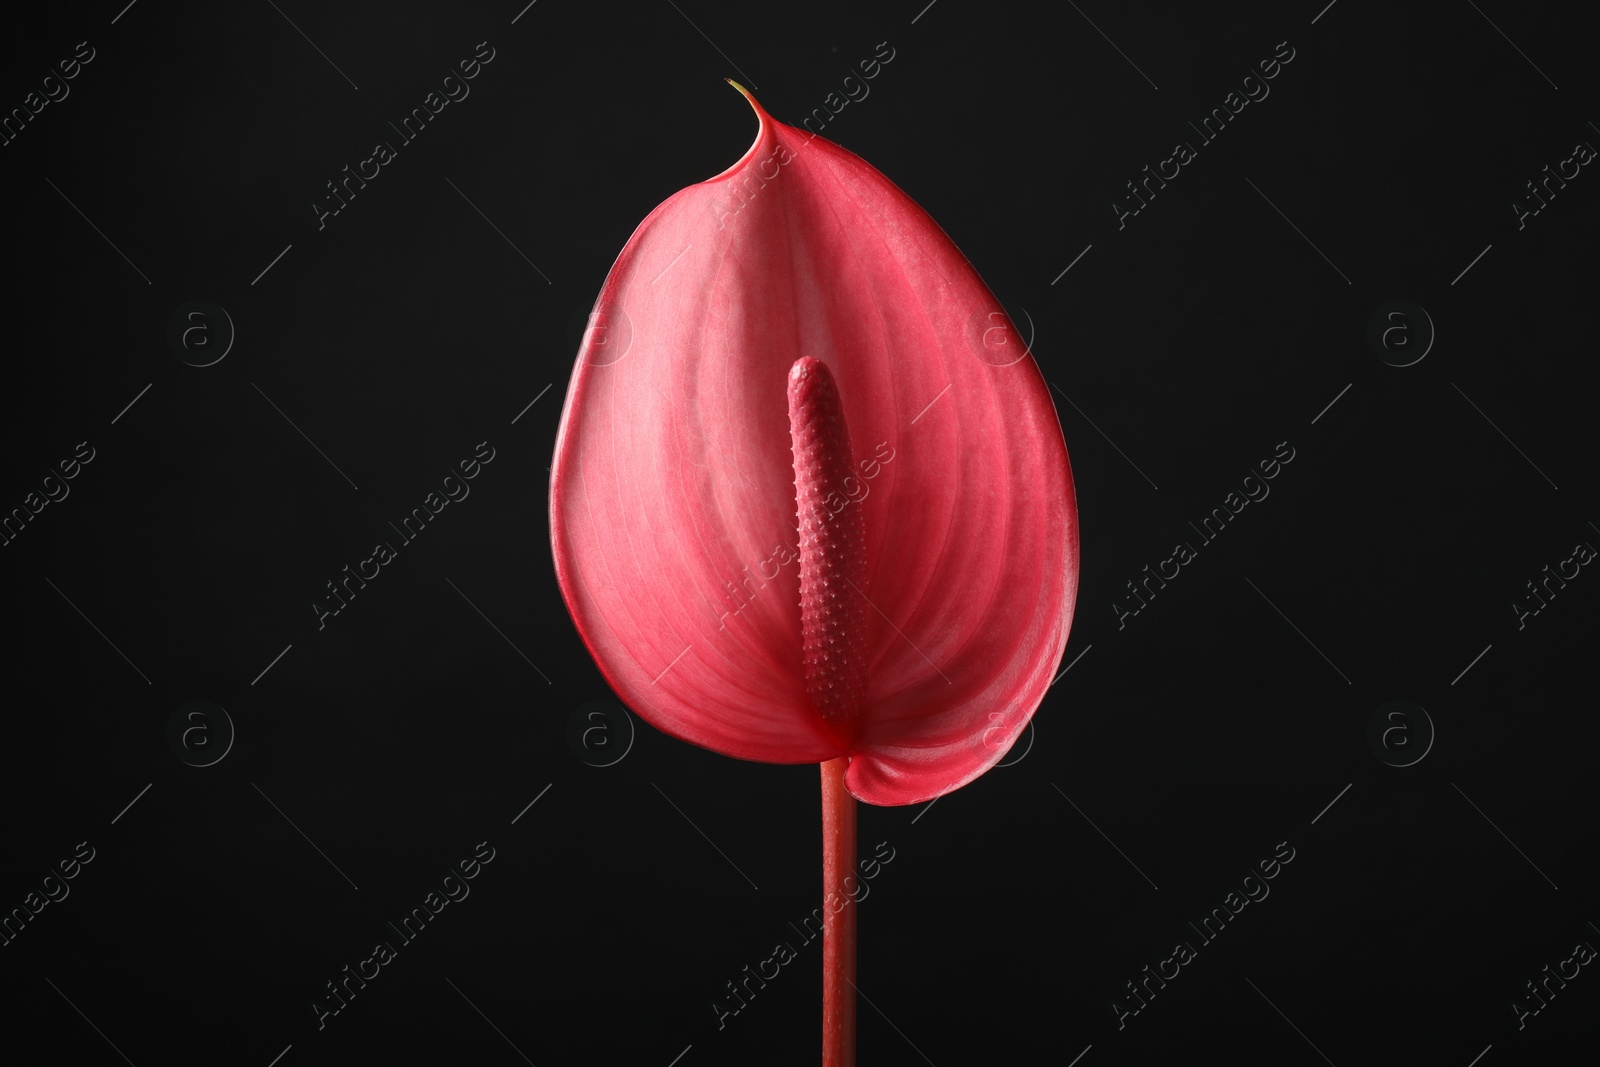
832	550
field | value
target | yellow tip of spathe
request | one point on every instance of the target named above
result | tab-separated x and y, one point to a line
745	93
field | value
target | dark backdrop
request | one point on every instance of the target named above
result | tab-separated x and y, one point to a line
1244	710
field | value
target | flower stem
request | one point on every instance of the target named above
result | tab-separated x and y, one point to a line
839	931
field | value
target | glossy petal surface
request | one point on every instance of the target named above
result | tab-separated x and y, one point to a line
673	499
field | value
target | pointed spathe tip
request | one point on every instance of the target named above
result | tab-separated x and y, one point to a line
746	94
764	125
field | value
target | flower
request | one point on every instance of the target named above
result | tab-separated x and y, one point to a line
810	496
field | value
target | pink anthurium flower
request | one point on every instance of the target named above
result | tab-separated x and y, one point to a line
810	500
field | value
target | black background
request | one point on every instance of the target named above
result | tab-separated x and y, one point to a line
1196	737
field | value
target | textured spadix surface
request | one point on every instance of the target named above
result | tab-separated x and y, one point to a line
675	527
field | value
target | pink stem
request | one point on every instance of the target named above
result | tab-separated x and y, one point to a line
839	932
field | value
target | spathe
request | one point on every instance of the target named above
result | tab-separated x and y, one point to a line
673	488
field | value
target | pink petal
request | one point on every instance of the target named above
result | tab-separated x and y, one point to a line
673	475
